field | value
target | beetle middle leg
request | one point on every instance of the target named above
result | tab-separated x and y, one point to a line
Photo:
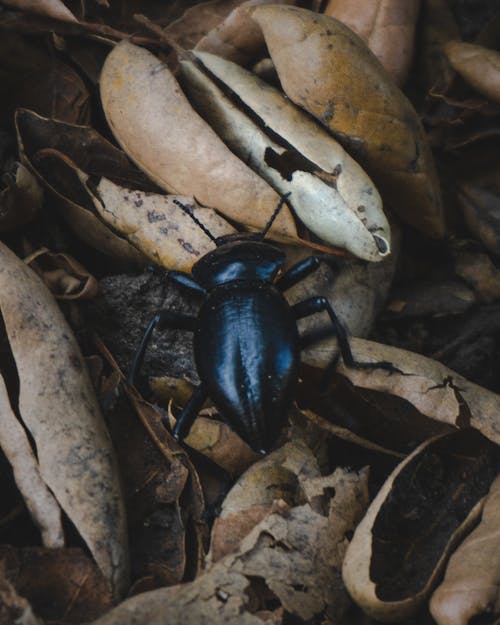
298	272
162	319
320	304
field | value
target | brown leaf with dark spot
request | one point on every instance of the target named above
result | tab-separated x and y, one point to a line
348	90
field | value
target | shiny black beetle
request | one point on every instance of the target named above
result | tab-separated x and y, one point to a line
246	342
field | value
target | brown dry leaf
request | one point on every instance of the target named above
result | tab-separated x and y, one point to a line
471	586
478	65
278	476
329	191
53	150
13	607
237	38
426	505
157	227
326	69
34	77
387	26
155	124
38	498
58	406
54	9
479	201
296	553
20	198
66	278
62	585
431	388
479	271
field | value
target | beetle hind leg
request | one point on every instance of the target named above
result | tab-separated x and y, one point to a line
190	412
320	304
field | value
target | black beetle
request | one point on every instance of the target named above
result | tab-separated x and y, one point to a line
246	342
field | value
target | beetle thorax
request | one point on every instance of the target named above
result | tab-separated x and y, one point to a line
240	259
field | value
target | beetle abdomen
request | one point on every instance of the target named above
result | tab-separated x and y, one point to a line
247	353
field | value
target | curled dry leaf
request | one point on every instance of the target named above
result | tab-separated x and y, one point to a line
278	476
431	499
387	26
66	278
479	202
58	406
157	127
330	193
471	586
479	271
157	227
20	199
327	69
48	8
478	65
434	390
38	498
237	38
296	552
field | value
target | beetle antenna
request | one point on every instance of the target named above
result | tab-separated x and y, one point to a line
281	203
188	210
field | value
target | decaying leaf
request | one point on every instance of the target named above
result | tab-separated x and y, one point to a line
277	476
387	26
157	127
295	553
329	191
66	278
58	406
38	498
435	391
478	65
156	226
20	198
471	586
431	499
237	38
62	585
348	90
13	607
479	201
479	271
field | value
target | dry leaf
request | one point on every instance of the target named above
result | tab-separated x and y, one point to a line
479	66
296	553
38	498
479	201
58	406
470	589
20	198
49	8
62	585
237	38
13	607
387	26
157	227
66	278
434	390
479	271
329	191
326	69
155	124
430	500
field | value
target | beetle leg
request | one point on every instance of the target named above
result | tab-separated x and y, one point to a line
320	304
190	412
185	280
162	319
298	272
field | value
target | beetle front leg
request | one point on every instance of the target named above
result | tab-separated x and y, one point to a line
320	304
298	272
190	412
162	319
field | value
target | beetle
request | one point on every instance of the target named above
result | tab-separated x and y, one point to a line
246	342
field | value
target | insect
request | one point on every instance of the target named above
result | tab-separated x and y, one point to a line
246	342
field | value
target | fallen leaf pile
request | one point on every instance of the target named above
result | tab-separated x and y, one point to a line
130	144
